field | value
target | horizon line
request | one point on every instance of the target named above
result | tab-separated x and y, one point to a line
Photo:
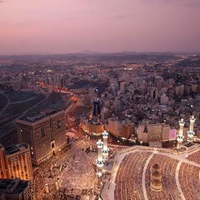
104	53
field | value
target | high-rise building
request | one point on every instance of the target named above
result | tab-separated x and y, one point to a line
16	162
96	107
15	189
96	104
3	172
45	133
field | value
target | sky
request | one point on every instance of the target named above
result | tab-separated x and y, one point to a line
69	26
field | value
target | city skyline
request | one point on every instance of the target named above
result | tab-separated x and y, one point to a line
56	27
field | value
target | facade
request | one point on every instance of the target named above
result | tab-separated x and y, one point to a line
45	133
142	134
3	172
122	129
126	129
16	162
154	132
14	189
165	132
90	126
113	126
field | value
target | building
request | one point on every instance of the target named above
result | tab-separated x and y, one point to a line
142	133
45	133
96	107
3	172
164	99
154	134
87	100
96	111
126	129
123	87
91	127
16	162
15	189
113	126
120	128
165	132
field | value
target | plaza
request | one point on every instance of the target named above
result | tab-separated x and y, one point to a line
130	176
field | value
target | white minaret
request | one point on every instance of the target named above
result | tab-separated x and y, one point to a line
190	133
100	158
180	136
105	145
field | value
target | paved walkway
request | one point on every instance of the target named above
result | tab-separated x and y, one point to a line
143	177
177	180
188	154
176	157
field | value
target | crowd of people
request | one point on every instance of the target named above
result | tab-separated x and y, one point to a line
195	157
129	176
168	169
66	170
190	181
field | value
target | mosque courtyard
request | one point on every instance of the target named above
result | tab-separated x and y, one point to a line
130	177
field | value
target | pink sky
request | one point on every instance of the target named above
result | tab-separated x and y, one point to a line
65	26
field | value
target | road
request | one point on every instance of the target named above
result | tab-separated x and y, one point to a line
8	103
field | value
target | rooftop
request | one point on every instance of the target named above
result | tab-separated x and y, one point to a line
15	148
34	117
12	186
